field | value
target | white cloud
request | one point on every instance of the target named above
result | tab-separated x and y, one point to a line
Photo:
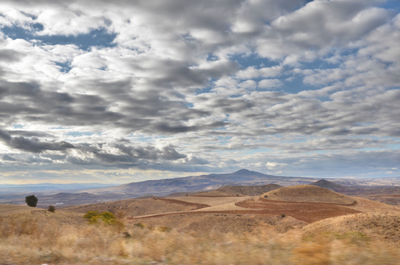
274	165
190	81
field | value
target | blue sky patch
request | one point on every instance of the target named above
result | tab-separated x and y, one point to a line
95	38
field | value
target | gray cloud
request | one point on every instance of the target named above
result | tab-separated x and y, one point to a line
199	82
33	145
8	55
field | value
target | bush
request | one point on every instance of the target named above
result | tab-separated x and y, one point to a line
31	200
95	216
92	216
108	217
140	225
164	229
51	208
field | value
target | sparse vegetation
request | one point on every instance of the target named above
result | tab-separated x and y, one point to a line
43	238
31	200
276	236
106	217
140	225
164	229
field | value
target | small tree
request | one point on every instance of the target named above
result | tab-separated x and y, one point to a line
31	200
51	208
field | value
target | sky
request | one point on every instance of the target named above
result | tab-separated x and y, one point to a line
122	91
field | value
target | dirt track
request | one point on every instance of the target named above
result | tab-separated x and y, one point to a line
195	205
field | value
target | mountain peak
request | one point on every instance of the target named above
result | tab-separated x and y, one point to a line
323	181
243	171
328	184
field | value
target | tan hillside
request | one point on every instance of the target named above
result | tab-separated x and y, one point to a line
6	209
145	206
228	230
307	193
379	226
370	206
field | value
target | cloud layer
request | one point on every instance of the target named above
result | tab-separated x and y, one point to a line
285	87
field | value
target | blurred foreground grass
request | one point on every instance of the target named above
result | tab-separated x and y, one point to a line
54	238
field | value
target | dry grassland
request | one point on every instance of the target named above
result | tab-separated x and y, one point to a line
38	237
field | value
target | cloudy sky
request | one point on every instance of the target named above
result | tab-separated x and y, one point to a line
121	91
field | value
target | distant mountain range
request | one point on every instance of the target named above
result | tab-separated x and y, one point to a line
159	187
189	184
48	187
199	183
357	189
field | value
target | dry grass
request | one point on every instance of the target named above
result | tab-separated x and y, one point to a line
65	238
136	207
384	227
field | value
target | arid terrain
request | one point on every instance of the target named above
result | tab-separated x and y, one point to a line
301	224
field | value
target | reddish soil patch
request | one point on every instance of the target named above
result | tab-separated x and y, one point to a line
305	211
329	203
195	205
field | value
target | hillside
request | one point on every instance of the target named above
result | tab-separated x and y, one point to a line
6	209
222	229
248	190
386	194
307	193
240	183
162	187
143	206
233	190
198	183
385	227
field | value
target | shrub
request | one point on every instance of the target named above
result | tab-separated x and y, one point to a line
108	217
95	216
164	229
51	208
31	200
140	225
92	216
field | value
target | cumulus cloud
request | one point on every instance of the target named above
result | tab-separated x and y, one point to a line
289	76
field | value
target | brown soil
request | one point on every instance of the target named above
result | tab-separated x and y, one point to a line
305	211
205	222
195	206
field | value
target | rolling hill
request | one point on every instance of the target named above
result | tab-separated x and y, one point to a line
307	193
